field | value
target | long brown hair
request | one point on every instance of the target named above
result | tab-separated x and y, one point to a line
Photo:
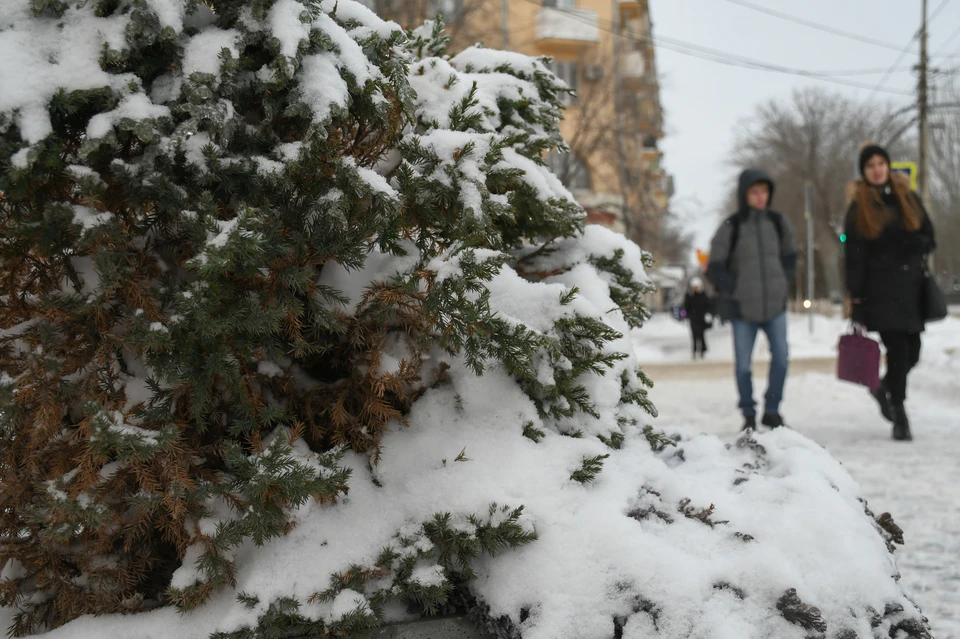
873	216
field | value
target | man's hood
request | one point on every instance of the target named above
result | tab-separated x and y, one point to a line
747	179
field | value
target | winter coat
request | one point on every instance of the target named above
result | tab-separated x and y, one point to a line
697	306
887	273
754	281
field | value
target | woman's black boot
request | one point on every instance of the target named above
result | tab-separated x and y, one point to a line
882	395
901	425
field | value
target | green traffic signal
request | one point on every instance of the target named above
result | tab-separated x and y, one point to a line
843	237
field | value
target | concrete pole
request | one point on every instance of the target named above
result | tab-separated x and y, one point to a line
923	109
923	176
811	266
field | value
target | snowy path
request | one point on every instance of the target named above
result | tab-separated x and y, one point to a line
916	482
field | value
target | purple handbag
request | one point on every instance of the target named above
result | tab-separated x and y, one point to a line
858	359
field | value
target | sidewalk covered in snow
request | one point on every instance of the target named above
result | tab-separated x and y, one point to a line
916	482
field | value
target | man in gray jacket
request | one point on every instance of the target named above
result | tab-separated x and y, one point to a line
753	259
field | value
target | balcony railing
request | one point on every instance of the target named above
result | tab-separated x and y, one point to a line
634	66
567	26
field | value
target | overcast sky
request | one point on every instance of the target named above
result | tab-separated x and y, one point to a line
704	101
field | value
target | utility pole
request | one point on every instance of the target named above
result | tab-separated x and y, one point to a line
798	284
504	22
808	214
923	156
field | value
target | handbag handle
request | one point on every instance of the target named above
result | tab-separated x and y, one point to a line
856	328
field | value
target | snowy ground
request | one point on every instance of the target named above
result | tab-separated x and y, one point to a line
916	482
664	339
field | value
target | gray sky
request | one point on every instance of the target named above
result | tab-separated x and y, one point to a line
704	101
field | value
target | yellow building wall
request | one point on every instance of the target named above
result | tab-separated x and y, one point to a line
593	116
604	174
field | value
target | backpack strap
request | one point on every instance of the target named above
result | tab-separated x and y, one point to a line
734	221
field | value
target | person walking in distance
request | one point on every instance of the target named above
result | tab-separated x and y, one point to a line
753	259
889	236
696	306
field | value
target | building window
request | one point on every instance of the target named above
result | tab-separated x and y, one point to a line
571	170
569	72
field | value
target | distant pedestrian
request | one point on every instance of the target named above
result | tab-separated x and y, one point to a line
696	307
753	259
889	236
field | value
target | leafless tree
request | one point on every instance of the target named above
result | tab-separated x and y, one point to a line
594	136
672	242
467	21
609	132
815	136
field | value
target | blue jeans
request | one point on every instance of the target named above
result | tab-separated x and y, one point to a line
744	338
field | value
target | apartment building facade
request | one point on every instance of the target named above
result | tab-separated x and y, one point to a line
604	50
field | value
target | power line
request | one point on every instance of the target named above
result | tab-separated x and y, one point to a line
953	70
936	12
729	59
814	25
733	60
849	72
946	44
904	52
886	76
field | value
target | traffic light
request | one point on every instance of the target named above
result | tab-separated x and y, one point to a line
843	238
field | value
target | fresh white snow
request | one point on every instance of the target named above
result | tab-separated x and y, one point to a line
89	218
285	22
67	58
628	545
665	340
916	482
321	86
787	501
202	55
136	106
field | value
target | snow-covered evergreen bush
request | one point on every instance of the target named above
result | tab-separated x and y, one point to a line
300	335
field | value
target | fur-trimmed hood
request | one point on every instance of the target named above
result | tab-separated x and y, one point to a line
854	185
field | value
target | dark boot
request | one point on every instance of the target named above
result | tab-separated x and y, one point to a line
749	421
772	420
901	425
882	395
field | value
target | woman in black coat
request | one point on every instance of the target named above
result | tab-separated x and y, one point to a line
889	236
